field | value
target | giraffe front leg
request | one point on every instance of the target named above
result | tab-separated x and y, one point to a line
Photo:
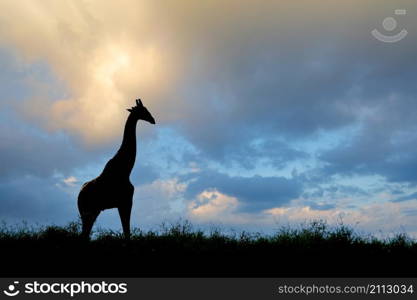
124	212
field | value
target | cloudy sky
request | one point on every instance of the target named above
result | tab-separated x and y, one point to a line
268	112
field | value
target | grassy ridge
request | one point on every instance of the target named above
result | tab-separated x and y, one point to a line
314	249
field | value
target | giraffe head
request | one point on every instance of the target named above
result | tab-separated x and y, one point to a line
141	112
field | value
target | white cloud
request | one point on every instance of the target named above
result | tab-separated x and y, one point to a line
376	217
213	206
158	201
212	203
70	181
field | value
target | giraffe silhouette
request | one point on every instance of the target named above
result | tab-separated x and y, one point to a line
112	188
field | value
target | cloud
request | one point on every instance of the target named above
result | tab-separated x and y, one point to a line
212	206
412	196
103	66
243	84
158	201
70	181
254	67
303	213
27	151
333	191
369	218
34	199
211	203
254	193
385	145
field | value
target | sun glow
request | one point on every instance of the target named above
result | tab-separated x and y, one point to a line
126	67
113	77
109	64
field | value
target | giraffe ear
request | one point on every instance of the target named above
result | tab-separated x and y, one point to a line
129	110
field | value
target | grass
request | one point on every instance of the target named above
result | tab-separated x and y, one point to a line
179	249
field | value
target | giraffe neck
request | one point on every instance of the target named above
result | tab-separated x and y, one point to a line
121	165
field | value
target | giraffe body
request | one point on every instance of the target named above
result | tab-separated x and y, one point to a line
112	188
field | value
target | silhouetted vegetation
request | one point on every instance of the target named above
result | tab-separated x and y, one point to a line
314	249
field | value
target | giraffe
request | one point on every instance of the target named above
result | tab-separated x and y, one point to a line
112	188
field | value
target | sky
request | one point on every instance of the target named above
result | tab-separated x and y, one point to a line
269	113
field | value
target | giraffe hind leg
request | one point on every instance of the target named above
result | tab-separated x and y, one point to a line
88	219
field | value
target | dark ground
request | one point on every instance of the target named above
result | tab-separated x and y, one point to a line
315	250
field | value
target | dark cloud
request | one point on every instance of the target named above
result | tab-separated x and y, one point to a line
317	206
35	199
382	147
143	173
406	198
410	212
259	151
255	193
333	191
27	151
289	84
